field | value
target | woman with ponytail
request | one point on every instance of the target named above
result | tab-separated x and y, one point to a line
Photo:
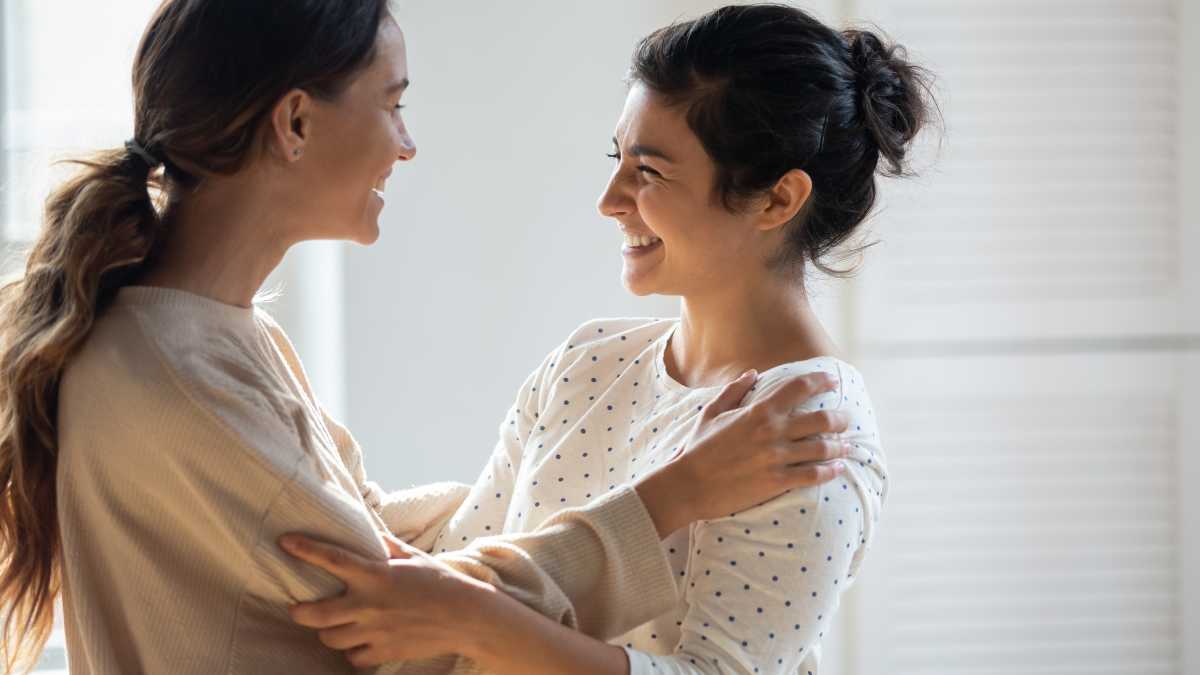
158	434
746	154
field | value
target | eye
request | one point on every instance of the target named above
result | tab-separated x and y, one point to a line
613	155
400	106
645	169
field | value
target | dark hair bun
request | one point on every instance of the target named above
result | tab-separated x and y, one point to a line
889	89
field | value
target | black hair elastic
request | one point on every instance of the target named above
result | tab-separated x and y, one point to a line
136	148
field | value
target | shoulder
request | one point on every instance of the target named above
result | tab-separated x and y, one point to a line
866	463
770	381
591	352
157	375
601	345
264	318
117	360
630	335
598	331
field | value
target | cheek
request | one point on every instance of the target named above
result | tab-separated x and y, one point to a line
689	226
665	212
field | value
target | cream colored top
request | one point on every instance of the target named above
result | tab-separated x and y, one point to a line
189	440
757	589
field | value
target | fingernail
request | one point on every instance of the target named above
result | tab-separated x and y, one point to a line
287	542
752	373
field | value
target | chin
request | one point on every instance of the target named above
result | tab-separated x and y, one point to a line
365	231
640	287
366	237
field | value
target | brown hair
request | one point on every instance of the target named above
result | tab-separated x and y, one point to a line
206	77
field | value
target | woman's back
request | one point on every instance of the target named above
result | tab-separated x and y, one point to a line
186	448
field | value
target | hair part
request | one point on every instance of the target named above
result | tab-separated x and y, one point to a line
767	89
206	77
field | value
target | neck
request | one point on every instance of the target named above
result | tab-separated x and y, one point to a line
223	241
761	325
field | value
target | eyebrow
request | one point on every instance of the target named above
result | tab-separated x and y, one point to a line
641	150
397	87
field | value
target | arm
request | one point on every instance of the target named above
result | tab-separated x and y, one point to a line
760	594
417	514
736	459
793	593
763	586
531	644
599	567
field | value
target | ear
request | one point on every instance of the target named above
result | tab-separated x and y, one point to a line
291	125
785	199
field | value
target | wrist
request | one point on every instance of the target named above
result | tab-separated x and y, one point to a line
665	497
484	620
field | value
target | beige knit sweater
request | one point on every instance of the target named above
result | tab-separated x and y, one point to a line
190	440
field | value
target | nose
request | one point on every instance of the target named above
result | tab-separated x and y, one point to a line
408	149
614	202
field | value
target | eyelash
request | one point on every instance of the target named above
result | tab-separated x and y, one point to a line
400	106
643	168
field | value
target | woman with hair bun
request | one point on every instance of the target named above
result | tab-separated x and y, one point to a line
158	434
747	152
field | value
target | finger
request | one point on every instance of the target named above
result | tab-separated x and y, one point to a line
813	450
809	475
803	425
365	656
343	637
797	389
397	548
732	395
326	613
333	559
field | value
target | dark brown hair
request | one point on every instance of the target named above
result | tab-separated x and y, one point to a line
206	77
767	88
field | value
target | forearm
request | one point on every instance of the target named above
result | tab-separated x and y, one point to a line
416	515
512	639
664	495
599	568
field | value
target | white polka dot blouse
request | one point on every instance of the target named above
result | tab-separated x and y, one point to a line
758	589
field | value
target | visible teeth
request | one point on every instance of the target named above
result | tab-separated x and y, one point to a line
638	241
378	193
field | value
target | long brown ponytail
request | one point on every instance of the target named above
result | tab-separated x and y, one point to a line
206	76
99	227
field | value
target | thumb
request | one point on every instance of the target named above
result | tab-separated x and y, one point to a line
397	548
732	395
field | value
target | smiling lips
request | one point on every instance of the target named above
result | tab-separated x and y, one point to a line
639	241
380	184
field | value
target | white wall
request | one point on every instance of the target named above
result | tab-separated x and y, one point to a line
492	250
1189	432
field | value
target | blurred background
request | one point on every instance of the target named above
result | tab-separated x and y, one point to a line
1029	323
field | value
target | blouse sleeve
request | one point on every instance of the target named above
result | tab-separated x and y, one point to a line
763	585
598	568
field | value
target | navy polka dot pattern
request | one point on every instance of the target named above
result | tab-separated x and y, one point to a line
758	589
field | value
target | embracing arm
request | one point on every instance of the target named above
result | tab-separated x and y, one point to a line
762	615
737	456
763	585
598	568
